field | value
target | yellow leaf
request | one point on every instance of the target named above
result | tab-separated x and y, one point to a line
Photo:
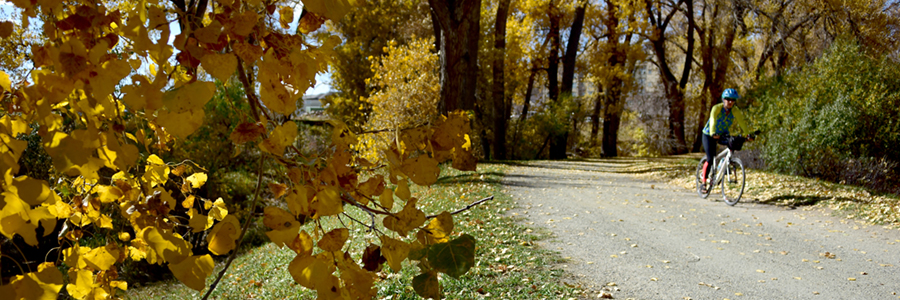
33	191
4	80
277	189
13	215
193	271
164	246
286	16
248	53
327	202
407	219
74	256
284	226
303	244
189	97
200	222
395	251
109	193
332	9
43	284
281	137
243	25
372	187
181	124
220	66
298	201
439	229
101	258
122	285
423	170
197	179
387	199
83	283
403	190
209	34
156	172
223	237
310	22
334	240
310	271
218	210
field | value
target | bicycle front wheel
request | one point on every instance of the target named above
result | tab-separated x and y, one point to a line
702	189
733	183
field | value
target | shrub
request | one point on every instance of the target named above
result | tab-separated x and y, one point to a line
834	119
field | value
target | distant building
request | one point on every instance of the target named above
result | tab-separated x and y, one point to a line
313	108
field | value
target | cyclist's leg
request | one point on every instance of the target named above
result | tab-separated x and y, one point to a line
709	145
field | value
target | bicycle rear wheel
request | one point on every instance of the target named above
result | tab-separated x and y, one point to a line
702	190
733	183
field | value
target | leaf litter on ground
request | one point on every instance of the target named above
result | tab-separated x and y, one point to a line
771	188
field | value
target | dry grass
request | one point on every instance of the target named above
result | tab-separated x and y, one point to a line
782	190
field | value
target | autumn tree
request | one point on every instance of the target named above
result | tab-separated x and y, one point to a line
366	34
615	53
407	83
660	14
110	94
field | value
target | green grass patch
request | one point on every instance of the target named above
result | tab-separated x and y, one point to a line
508	264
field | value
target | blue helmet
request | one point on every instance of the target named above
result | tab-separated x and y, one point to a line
731	94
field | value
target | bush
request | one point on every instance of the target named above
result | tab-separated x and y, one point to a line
836	119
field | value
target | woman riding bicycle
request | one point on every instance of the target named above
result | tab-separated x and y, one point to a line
721	117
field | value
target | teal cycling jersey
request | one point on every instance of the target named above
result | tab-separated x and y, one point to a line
720	120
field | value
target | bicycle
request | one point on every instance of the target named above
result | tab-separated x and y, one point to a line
728	171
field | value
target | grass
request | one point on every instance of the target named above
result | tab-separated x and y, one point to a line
508	265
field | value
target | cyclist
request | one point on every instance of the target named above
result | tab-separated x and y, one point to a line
721	118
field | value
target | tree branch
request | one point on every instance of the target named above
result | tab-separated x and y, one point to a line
247	222
470	206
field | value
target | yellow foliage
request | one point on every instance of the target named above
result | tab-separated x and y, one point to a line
90	120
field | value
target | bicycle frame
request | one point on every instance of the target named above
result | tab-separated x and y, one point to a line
721	160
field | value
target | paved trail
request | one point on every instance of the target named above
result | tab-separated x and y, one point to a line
649	240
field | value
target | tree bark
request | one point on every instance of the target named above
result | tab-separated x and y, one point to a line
553	57
568	74
673	88
557	139
501	112
595	119
460	30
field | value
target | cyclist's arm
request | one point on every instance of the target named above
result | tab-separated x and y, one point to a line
713	115
739	118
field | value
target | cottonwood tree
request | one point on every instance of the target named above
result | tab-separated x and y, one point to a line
366	34
660	14
110	92
457	32
615	52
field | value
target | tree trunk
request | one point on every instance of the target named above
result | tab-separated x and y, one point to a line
674	88
595	119
553	57
557	140
460	30
611	121
501	112
568	74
